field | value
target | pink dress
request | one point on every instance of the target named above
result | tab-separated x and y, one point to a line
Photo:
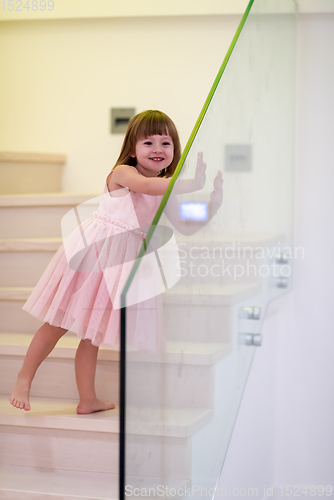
81	286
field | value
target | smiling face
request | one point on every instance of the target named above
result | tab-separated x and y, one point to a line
153	154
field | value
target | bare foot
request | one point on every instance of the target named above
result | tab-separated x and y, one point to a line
20	395
93	406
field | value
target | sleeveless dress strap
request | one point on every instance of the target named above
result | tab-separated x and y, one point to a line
136	169
114	169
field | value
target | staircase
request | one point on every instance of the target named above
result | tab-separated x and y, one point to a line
51	452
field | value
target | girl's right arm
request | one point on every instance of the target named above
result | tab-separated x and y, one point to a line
126	176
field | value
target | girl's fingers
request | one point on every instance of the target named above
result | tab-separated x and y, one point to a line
218	181
200	162
217	194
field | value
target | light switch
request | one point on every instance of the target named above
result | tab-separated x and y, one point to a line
238	157
120	118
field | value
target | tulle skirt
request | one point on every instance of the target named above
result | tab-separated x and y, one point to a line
80	290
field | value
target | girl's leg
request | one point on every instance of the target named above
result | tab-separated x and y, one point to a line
85	368
40	347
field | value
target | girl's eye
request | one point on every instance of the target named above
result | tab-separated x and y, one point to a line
148	143
166	143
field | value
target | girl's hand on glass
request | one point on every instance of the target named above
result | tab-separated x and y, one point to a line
216	197
199	179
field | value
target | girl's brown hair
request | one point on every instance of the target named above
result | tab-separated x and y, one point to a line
145	124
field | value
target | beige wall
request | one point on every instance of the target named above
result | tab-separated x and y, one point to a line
59	80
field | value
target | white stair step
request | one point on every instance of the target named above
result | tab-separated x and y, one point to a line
37	215
32	221
44	200
189	353
203	312
53	436
208	294
51	413
13	318
56	374
29	483
187	381
30	244
30	172
225	258
22	261
203	304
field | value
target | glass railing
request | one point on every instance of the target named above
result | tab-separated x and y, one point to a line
197	295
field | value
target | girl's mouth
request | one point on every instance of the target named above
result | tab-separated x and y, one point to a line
156	159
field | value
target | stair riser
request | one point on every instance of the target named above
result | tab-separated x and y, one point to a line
221	263
171	386
14	319
92	451
197	323
178	386
23	178
157	456
23	268
59	449
56	378
32	222
220	271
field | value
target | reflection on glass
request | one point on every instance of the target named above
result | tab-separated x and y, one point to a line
210	283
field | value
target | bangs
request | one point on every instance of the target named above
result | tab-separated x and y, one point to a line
143	125
155	123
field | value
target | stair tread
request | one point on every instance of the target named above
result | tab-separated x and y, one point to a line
57	414
228	293
51	413
45	199
30	244
208	288
199	353
32	157
239	240
16	344
207	293
226	240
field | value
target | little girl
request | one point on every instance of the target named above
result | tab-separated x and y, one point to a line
66	298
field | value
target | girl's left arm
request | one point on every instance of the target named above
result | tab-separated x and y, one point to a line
183	186
172	209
